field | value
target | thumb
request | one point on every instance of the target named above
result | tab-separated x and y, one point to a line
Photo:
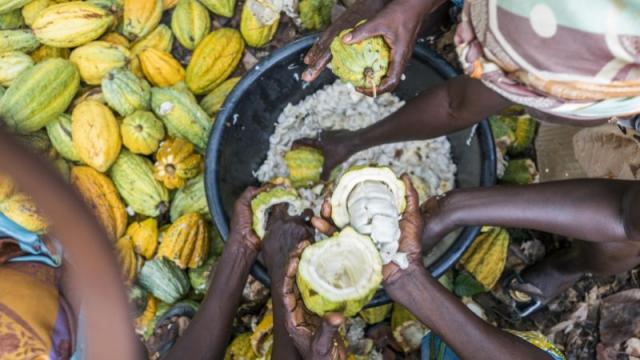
361	33
324	339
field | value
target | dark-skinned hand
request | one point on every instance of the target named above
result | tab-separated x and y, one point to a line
436	221
398	23
283	233
315	338
411	227
336	147
242	221
320	54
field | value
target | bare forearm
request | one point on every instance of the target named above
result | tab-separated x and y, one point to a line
469	336
283	346
208	334
588	209
446	108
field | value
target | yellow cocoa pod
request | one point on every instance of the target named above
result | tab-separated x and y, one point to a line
160	68
85	94
8	5
142	132
144	235
7	187
95	59
140	17
33	9
12	64
185	242
176	162
96	134
31	103
18	40
259	22
240	348
169	4
262	337
224	8
363	64
144	321
214	59
71	24
212	103
21	209
45	52
127	258
115	38
190	23
161	38
102	197
486	257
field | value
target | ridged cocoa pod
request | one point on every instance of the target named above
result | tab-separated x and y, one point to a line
141	17
39	95
71	24
96	134
190	23
214	59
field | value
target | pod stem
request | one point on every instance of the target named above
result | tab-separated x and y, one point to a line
368	74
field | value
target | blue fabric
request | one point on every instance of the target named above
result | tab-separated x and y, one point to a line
433	348
30	243
458	3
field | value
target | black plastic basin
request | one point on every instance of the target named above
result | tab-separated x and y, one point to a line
239	140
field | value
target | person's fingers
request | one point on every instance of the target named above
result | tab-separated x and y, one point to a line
413	200
323	341
279	211
325	209
316	66
248	195
362	32
323	225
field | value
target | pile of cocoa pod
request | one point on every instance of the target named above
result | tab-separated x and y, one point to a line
120	96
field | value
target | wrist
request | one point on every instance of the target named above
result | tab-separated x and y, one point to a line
397	282
241	248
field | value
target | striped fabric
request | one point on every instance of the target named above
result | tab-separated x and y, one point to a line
561	57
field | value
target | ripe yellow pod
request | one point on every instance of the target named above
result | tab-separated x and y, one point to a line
160	68
45	52
95	59
140	17
101	195
214	59
116	38
258	22
190	23
144	235
33	9
96	134
169	4
71	24
12	64
22	210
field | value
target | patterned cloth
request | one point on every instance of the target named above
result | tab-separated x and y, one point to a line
35	321
560	57
433	348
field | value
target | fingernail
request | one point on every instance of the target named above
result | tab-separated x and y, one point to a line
347	38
